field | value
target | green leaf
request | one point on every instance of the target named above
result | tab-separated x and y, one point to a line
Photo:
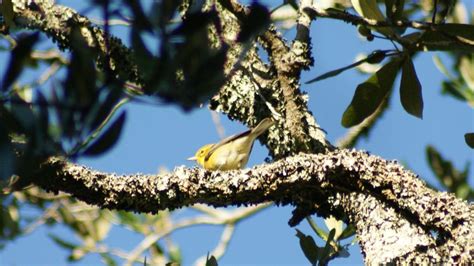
77	254
146	62
441	66
464	33
437	163
328	250
348	232
253	24
319	231
63	243
375	57
107	107
333	223
80	84
108	260
18	58
343	252
211	261
370	94
132	220
335	72
394	9
194	23
185	58
108	138
140	21
309	247
174	254
469	138
454	90
7	12
456	87
466	69
444	170
163	11
102	226
10	122
7	153
448	37
79	227
463	191
23	113
410	90
369	9
42	113
292	3
9	222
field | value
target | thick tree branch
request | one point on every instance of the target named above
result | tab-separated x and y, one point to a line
58	23
277	83
394	212
398	218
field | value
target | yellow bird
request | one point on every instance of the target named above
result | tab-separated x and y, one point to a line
232	152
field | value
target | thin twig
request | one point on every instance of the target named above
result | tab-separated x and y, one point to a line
357	20
225	218
97	131
209	210
48	213
51	54
217	123
106	250
111	22
51	71
435	10
42	104
150	239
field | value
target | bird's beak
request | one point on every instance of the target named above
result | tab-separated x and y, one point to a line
192	158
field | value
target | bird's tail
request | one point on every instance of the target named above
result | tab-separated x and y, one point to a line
262	126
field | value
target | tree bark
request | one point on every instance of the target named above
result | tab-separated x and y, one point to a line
398	218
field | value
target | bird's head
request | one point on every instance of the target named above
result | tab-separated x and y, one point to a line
201	154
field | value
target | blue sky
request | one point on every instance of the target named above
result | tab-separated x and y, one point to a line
164	136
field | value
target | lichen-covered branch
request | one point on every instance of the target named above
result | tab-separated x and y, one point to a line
246	94
301	46
58	22
398	218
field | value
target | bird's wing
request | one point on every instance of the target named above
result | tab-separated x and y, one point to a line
259	129
225	141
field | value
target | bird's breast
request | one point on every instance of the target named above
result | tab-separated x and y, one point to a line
230	156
